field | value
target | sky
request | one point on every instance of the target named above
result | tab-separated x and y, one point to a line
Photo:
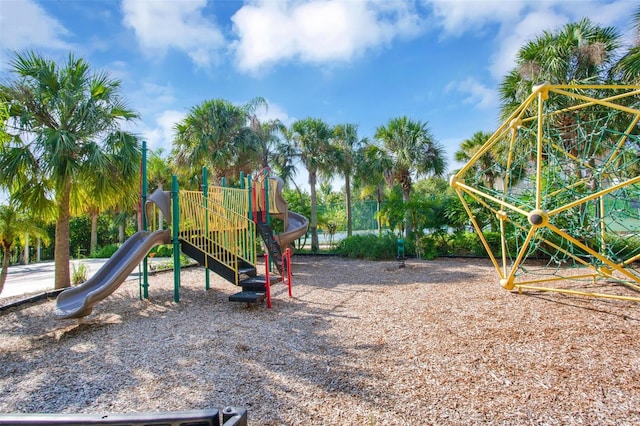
344	61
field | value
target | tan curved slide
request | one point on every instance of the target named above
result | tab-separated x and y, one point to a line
295	224
77	302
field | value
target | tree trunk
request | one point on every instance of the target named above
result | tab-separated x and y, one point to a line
379	193
315	245
26	249
93	245
38	250
347	187
121	234
6	257
406	196
61	250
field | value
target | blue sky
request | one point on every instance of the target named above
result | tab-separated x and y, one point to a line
345	61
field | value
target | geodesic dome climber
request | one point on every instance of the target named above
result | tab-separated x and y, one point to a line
554	193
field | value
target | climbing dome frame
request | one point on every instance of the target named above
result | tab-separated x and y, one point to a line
554	194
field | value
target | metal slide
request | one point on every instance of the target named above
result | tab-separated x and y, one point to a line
77	302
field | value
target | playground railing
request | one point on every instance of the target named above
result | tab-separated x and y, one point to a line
216	230
232	199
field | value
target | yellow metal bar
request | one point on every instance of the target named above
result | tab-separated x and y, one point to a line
514	134
586	104
579	293
594	196
596	86
515	116
539	164
603	228
469	190
503	243
594	253
622	141
631	260
479	232
516	263
602	102
552	279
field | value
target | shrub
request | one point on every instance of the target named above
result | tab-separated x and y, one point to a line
78	274
426	247
369	247
105	252
163	250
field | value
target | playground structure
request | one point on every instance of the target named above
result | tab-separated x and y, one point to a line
559	182
216	227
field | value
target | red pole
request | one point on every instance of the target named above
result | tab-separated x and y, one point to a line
287	255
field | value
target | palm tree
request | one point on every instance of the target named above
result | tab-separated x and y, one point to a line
311	137
581	52
14	227
219	135
488	161
66	127
628	67
345	140
413	151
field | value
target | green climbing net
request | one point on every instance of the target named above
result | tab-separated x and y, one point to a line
554	194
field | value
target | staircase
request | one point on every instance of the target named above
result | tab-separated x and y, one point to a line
242	273
254	288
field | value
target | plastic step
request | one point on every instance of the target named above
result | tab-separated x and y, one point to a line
247	297
248	270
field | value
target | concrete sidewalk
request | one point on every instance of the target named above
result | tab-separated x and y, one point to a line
39	277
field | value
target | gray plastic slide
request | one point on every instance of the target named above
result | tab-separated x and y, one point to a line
77	302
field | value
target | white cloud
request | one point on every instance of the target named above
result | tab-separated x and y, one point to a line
519	21
459	16
317	31
512	38
274	112
162	25
162	132
24	24
476	93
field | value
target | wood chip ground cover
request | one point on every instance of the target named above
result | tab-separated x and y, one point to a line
360	343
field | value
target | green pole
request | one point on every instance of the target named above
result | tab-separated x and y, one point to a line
205	193
250	212
249	195
175	214
145	273
266	197
266	206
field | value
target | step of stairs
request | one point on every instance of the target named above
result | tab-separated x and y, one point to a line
247	297
258	283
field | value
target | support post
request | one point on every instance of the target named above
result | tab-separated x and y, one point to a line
287	257
145	269
205	193
175	214
267	279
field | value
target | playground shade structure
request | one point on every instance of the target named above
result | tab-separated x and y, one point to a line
559	182
77	302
